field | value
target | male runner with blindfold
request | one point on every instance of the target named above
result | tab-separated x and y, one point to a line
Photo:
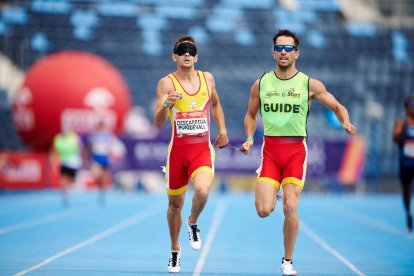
186	97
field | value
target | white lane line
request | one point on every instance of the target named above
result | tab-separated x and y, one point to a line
39	221
376	223
311	234
101	235
217	217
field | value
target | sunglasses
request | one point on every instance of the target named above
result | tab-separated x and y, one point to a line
288	48
186	47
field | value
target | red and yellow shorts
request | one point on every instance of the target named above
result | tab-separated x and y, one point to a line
284	160
184	162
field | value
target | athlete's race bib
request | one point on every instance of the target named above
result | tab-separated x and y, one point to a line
409	149
191	123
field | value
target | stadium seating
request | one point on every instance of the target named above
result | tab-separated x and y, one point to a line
357	62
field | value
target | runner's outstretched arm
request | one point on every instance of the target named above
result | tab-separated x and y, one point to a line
318	90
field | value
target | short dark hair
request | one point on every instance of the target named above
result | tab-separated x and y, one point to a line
181	39
409	103
285	32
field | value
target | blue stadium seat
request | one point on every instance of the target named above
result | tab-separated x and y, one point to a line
47	6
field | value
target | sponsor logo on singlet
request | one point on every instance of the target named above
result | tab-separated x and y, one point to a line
281	107
287	93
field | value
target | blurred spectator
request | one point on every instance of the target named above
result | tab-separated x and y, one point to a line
403	135
68	147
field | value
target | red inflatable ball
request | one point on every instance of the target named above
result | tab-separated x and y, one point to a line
72	89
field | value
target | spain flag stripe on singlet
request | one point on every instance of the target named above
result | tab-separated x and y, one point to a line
190	116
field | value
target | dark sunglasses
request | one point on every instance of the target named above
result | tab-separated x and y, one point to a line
288	48
186	47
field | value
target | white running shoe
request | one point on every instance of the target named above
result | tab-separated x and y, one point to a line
174	264
287	268
194	236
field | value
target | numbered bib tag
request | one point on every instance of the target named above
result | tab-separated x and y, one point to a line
409	149
191	123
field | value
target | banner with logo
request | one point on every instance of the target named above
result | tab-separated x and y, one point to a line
324	156
23	170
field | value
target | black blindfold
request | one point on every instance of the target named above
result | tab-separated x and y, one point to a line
186	47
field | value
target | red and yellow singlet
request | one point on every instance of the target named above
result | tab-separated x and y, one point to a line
190	150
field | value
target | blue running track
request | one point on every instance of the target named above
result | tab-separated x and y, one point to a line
339	235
